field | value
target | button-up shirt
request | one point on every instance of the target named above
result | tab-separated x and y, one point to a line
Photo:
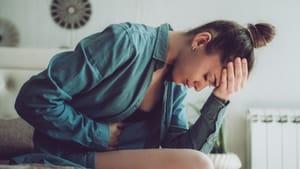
104	80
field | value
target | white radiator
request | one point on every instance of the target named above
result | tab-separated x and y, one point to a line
274	138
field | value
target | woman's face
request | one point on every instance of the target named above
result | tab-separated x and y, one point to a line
197	69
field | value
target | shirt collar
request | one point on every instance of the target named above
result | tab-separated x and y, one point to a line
161	46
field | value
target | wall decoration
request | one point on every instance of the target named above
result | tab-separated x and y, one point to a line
71	14
9	35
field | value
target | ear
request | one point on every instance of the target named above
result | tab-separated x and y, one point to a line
201	39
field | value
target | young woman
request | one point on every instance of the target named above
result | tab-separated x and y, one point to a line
116	101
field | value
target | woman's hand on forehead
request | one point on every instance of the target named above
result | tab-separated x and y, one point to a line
233	79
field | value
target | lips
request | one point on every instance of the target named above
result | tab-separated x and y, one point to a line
185	83
188	84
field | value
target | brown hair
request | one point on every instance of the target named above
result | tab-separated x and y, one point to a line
231	40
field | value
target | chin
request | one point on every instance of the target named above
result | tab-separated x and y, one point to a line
178	81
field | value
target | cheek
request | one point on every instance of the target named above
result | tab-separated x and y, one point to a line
196	70
187	67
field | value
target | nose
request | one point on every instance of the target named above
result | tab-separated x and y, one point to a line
200	85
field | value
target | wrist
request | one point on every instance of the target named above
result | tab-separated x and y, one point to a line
223	100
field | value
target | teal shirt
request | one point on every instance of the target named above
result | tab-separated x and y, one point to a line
104	80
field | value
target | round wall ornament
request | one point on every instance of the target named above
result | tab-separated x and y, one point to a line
71	14
9	35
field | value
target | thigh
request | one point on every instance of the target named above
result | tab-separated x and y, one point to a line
153	159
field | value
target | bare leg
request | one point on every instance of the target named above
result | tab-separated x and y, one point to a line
153	159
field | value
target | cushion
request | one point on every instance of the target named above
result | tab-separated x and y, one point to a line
15	138
226	161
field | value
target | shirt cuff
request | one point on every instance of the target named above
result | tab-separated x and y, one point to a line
212	107
102	135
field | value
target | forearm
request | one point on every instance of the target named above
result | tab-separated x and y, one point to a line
205	130
202	134
47	111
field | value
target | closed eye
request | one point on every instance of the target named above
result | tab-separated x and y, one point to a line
206	77
212	81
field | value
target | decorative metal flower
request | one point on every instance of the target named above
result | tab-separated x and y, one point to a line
71	14
9	35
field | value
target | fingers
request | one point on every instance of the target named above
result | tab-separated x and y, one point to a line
120	125
112	145
238	74
114	140
115	131
110	148
230	77
223	82
244	72
233	78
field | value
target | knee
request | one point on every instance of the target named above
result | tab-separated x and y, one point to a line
199	160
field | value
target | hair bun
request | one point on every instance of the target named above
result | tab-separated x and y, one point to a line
261	34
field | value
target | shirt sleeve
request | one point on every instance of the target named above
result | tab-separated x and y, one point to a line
203	133
44	100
